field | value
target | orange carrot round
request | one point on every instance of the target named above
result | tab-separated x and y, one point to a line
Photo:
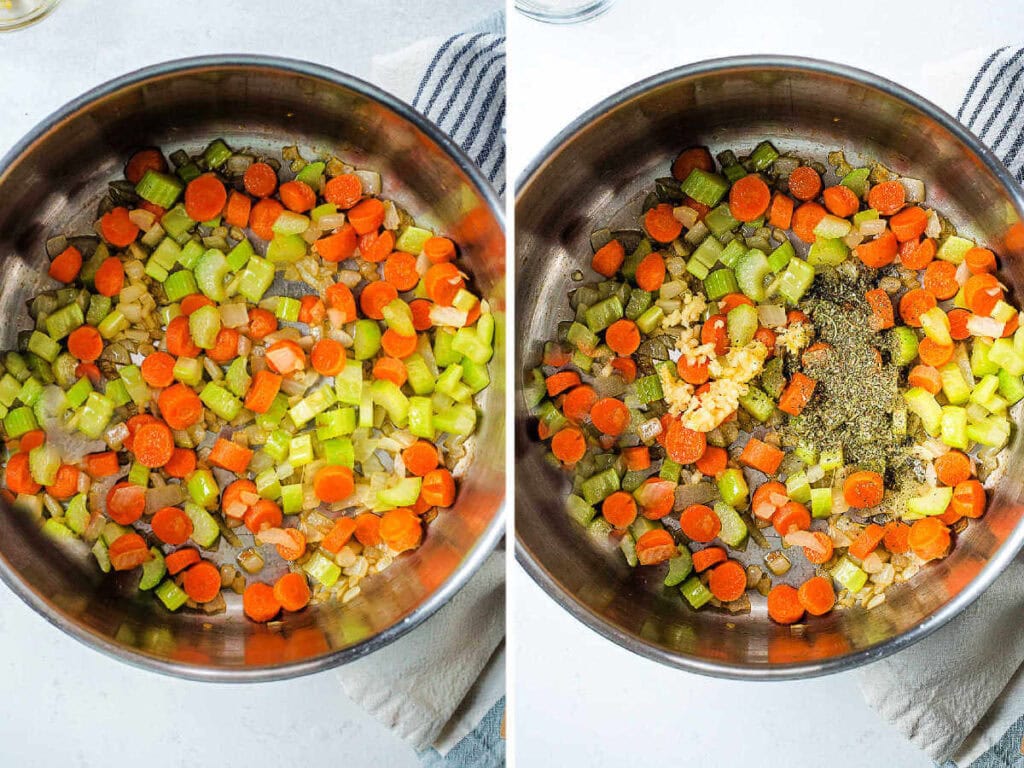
929	538
205	197
344	190
749	197
784	606
915	303
817	596
684	445
420	458
650	273
328	357
128	551
569	445
841	201
333	483
804	183
887	198
863	489
699	523
655	546
940	280
791	516
623	337
158	369
661	224
438	489
259	602
578	402
125	503
85	343
610	416
171	525
260	180
117	228
690	158
292	591
728	581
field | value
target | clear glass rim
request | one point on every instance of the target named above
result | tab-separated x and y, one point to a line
540	11
38	13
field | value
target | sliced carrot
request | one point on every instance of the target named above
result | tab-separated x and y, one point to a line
940	280
625	367
926	377
153	444
263	216
661	224
375	297
684	445
699	523
730	301
749	198
707	557
376	247
623	336
929	538
178	561
880	252
311	309
125	502
390	369
805	219
863	489
896	538
791	516
442	282
867	541
205	197
804	183
333	483
66	483
400	270
367	215
980	260
18	477
569	445
909	224
637	458
420	309
128	551
260	180
158	369
797	394
824	551
438	489
438	249
887	198
66	265
339	246
32	439
340	299
692	371
761	456
655	546
328	357
715	331
368	529
261	323
713	462
238	498
292	591
882	315
344	190
99	465
917	256
397	345
841	201
610	416
578	402
619	509
231	456
728	581
259	602
420	458
238	209
559	382
180	406
981	292
195	301
958	324
85	343
117	228
817	596
172	526
178	338
339	535
780	214
150	159
264	388
262	515
953	468
934	354
784	606
690	158
182	463
225	346
915	303
109	277
297	196
650	272
969	498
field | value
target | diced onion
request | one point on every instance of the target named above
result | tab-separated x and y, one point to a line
142	219
985	326
804	539
814	473
771	315
872	227
370	181
914	189
332	221
933	227
963	272
234	315
391	219
686	215
448	316
853	239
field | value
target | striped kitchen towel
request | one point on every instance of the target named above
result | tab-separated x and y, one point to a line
958	694
459	84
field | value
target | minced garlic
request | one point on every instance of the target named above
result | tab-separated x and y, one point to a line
794	337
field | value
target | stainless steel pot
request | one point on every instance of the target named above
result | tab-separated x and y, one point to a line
51	182
603	165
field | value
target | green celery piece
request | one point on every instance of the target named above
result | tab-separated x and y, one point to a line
848	575
311	174
204	324
113	324
444	354
210	271
338	451
177	223
398	317
239	256
153	570
469	344
927	408
906	345
403	494
79	392
220	401
741	324
763	156
734	531
953	249
650	319
598	487
188	370
758	404
751	271
57	530
16	365
311	406
77	515
1010	387
286	249
202	487
93	417
732	487
579	510
779	259
99	308
292	498
639	302
42	345
670	470
795	281
857	180
827	251
411	239
287	309
628	548
366	339
387	394
704	187
99	551
648	388
798	488
171	595
421	417
277	445
679	567
696	594
459	419
9	389
190	254
422	380
953	427
604	313
290	223
322	570
43	462
267	484
216	153
237	377
474	374
821	502
720	283
256	279
274	414
160	189
348	385
180	284
720	220
64	321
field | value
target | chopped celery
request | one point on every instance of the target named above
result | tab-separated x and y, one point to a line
598	487
798	488
954	385
921	402
933	503
579	510
93	417
153	570
311	405
993	431
57	530
190	254
256	279
857	180
445	355
679	567
953	249
906	345
669	470
720	283
732	487
459	419
43	463
210	271
277	444
113	324
628	548
339	450
188	370
131	375
292	498
77	515
734	531
42	345
720	220
348	385
403	494
15	363
272	418
650	320
32	389
300	450
411	239
831	459
751	271
848	575
180	284
639	302
387	394
831	227
474	374
741	324
398	318
220	401
78	392
704	187
99	551
468	343
9	389
216	154
268	484
953	426
827	251
204	324
171	595
237	377
762	157
696	594
795	280
366	339
935	324
335	423
239	256
203	488
290	223
821	502
1003	354
286	249
648	388
322	569
730	255
160	189
64	321
757	403
421	417
99	308
1011	387
604	313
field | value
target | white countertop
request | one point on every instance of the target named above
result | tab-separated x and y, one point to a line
63	703
579	699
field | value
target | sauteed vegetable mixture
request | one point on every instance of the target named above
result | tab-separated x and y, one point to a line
824	368
273	356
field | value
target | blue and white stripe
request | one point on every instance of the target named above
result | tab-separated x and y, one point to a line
463	91
993	107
